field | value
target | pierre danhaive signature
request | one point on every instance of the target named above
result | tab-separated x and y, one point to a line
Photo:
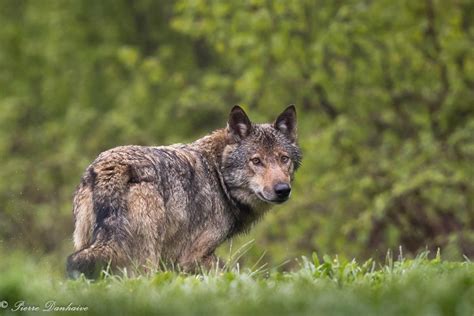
49	306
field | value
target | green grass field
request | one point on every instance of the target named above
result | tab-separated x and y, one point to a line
419	286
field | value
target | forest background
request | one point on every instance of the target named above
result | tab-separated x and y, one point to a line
384	91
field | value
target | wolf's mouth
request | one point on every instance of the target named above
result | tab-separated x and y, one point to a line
273	201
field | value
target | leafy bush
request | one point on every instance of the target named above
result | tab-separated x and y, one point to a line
383	89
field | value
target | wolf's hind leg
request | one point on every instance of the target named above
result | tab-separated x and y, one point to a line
146	216
88	261
109	249
134	239
110	246
84	217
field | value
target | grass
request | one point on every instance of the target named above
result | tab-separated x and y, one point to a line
419	286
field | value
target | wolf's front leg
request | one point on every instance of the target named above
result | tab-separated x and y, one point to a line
212	262
206	263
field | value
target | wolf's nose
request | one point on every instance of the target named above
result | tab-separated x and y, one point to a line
282	190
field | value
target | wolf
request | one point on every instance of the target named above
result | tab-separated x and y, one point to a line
140	206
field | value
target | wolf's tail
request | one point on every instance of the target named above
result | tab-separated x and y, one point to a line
108	245
109	187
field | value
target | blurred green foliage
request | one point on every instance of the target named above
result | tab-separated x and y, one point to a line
384	90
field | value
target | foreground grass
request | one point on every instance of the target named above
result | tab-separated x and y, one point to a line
333	287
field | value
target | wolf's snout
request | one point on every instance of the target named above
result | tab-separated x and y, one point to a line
282	190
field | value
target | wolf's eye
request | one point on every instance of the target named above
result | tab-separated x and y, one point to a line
284	159
256	161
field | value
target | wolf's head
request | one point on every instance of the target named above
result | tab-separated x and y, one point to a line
259	163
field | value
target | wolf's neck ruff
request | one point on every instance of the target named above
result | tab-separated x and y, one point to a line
212	155
243	213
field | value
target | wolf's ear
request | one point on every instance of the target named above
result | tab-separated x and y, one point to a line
286	122
239	125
